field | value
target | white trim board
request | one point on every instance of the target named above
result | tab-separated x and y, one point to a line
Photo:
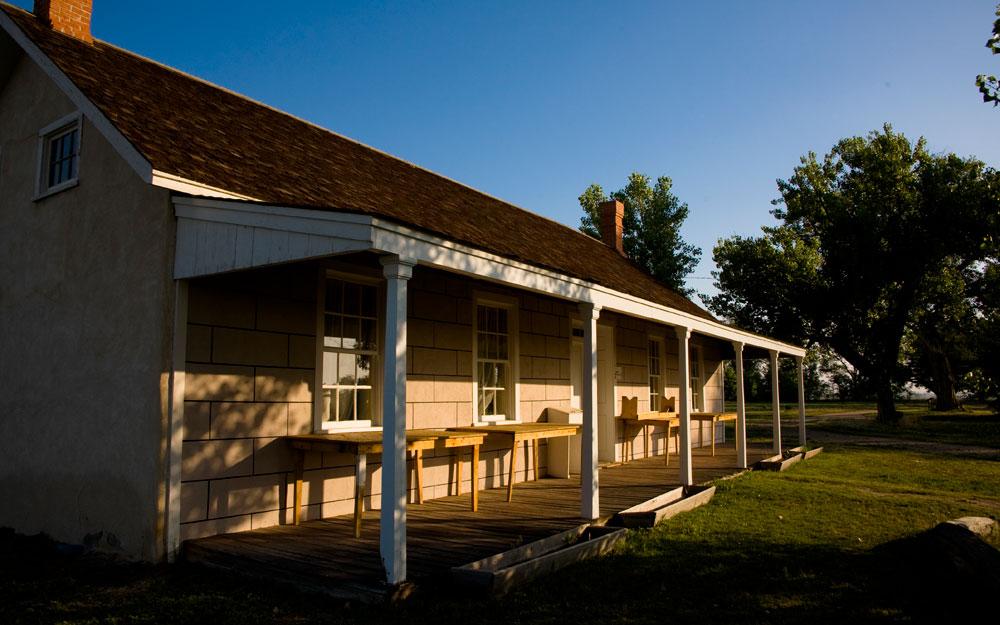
215	236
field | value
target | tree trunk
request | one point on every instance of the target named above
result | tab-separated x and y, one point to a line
945	397
887	412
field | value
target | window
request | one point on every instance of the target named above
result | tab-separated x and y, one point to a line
59	156
695	358
349	354
655	381
495	362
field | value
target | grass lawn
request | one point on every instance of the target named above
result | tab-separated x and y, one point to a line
805	544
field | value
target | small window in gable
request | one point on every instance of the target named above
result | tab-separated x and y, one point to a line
59	156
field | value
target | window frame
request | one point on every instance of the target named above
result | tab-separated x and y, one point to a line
58	128
512	305
697	393
320	424
661	376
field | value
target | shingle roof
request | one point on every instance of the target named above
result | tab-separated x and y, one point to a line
198	131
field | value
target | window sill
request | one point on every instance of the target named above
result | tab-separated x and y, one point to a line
353	426
59	188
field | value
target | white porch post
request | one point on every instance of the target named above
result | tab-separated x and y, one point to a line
741	408
775	402
393	516
684	384
802	400
590	507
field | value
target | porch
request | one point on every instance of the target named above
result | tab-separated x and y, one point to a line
323	556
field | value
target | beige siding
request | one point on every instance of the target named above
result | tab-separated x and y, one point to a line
86	302
251	354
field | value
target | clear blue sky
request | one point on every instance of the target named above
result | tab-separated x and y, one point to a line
533	101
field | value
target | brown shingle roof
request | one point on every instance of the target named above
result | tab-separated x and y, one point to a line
198	131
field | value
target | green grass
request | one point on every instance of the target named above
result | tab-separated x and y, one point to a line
974	425
804	544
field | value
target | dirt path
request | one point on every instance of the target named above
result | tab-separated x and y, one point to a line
820	436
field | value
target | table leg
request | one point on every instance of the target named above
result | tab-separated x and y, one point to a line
666	443
418	460
713	437
458	471
646	441
300	461
534	454
475	478
513	465
360	481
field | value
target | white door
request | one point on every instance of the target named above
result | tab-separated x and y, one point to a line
605	393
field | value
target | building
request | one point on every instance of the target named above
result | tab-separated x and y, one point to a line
187	276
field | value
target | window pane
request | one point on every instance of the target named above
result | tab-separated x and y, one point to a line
345	404
364	404
491	319
368	298
481	346
334	296
499	403
352	298
502	320
500	375
364	370
482	402
332	330
489	403
502	347
328	407
351	332
367	334
345	373
329	368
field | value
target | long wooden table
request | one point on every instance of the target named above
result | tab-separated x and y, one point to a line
644	420
363	443
522	432
713	418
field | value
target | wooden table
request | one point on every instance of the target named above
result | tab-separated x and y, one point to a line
713	418
363	443
645	419
523	432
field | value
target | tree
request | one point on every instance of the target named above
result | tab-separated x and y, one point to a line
941	332
651	229
989	86
860	232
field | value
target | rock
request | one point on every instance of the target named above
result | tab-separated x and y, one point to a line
978	525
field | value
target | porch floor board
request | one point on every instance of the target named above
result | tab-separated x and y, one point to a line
441	533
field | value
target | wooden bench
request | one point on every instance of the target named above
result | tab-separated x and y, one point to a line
522	432
631	417
360	444
713	418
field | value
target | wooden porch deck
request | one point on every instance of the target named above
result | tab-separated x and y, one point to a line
323	555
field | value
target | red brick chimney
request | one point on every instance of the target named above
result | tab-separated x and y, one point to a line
612	214
70	17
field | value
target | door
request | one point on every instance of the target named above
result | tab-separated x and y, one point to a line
605	394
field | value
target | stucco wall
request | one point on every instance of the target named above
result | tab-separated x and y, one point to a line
85	296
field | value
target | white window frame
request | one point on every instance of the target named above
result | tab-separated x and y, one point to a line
512	305
320	424
58	128
662	375
697	383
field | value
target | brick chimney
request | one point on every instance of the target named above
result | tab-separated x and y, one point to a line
612	214
70	17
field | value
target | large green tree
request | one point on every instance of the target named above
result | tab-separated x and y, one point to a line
988	85
651	230
860	231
